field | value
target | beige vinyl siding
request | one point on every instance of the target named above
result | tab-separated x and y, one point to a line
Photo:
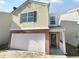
5	23
42	17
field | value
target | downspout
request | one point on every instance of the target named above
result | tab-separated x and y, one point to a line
48	15
78	15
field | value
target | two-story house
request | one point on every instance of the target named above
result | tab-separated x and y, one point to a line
70	21
33	29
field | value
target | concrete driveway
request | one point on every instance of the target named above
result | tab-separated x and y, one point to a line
26	54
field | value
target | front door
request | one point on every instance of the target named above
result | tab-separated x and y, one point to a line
53	40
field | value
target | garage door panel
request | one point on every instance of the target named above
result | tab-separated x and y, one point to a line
18	43
31	42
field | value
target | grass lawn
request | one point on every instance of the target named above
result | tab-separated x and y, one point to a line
71	50
4	46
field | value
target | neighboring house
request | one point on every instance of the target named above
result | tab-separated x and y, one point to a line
5	23
32	29
70	21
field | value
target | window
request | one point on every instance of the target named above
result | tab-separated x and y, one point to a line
29	17
23	17
52	20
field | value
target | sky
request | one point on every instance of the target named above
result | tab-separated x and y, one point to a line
56	6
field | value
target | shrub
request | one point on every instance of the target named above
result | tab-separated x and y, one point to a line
78	49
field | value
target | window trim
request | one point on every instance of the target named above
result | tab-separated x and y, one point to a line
55	21
31	16
28	17
23	17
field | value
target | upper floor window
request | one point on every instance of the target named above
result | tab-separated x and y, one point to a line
23	17
29	17
52	20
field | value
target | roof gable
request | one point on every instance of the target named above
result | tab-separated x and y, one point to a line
24	5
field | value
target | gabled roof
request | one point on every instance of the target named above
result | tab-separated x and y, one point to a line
73	10
24	5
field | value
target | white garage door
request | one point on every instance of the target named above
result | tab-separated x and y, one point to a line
30	42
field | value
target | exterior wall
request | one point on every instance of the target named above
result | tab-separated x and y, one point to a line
70	22
62	44
71	32
5	23
42	18
69	17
